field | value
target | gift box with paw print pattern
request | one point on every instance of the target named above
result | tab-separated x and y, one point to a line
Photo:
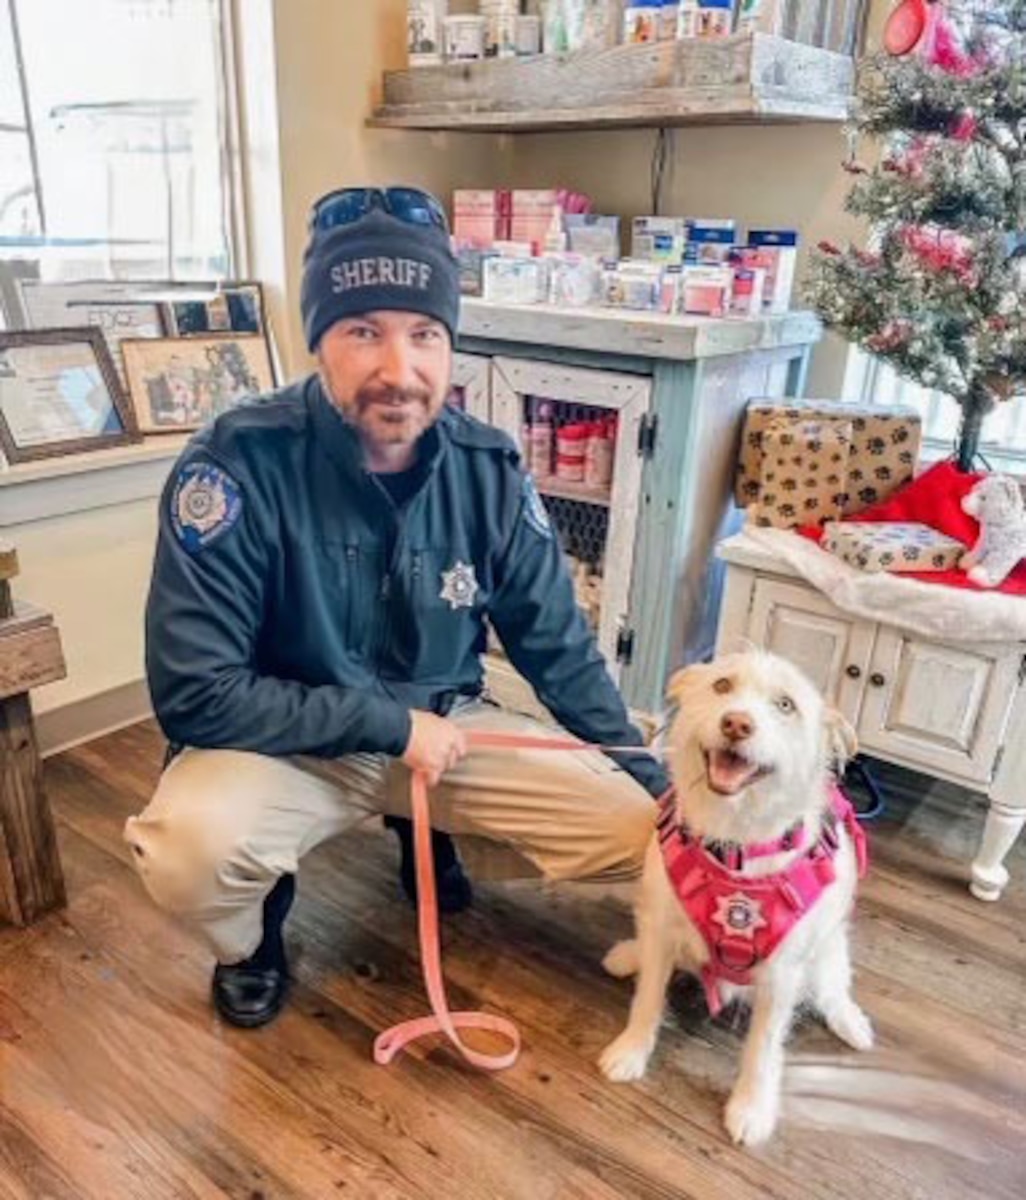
788	471
891	546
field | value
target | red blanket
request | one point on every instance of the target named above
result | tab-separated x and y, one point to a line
934	499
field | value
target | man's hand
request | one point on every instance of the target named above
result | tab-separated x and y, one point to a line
436	745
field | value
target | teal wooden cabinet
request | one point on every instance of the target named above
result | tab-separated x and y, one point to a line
642	546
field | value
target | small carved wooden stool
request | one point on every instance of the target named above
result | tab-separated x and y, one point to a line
31	882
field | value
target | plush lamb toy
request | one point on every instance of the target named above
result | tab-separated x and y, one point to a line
997	503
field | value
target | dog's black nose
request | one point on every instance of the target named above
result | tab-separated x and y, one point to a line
737	726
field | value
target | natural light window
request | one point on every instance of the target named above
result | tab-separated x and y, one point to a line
868	381
114	144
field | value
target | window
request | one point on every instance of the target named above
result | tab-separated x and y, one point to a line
1003	445
115	138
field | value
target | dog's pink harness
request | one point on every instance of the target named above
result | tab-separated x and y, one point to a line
742	919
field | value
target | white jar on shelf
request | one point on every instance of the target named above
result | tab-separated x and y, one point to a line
464	38
500	27
424	31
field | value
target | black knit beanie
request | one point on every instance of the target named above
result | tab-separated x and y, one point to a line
378	262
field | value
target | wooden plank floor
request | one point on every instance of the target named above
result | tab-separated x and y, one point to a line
116	1080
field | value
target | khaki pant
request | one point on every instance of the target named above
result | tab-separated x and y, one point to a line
224	824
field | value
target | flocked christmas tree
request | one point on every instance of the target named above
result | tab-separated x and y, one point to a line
940	291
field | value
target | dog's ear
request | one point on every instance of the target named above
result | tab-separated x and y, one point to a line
683	680
841	740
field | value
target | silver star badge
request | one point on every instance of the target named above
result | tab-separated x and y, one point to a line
459	585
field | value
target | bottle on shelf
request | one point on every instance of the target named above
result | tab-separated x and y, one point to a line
424	31
642	21
571	449
539	437
598	456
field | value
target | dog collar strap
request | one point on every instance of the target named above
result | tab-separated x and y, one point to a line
742	920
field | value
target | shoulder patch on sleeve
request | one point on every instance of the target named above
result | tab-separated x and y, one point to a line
206	503
535	512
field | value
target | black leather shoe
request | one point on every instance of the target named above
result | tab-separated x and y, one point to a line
252	992
454	889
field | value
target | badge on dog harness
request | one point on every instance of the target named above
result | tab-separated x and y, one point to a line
459	585
739	914
205	504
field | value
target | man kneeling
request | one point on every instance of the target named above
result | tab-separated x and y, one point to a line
326	563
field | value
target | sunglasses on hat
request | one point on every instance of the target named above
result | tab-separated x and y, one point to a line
348	205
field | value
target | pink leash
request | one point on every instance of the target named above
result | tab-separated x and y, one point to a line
388	1044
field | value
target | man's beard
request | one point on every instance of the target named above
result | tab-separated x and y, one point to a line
391	414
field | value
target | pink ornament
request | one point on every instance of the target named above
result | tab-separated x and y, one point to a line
941	250
893	335
944	50
965	128
905	27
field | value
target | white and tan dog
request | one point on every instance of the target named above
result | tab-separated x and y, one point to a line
751	752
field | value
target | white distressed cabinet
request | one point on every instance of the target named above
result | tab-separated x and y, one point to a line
956	711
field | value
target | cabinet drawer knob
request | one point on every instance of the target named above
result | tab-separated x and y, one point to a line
876	679
853	671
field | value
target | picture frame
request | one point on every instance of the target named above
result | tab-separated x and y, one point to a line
228	307
180	384
119	309
14	273
60	394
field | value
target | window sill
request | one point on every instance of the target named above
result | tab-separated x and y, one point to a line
80	482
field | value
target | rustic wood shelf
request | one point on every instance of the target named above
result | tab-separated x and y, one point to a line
619	331
750	77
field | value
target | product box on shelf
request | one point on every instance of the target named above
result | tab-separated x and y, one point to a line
464	37
706	291
500	18
532	212
593	234
481	215
471	258
516	280
747	293
883	452
709	245
575	280
705	18
659	239
892	546
424	32
632	284
776	252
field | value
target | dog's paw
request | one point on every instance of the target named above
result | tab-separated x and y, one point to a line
853	1027
626	1058
751	1117
622	959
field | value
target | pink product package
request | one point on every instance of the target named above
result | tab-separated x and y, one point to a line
706	291
481	216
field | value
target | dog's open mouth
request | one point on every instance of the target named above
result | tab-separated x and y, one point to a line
728	772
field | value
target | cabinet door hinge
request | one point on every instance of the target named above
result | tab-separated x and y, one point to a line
625	646
648	428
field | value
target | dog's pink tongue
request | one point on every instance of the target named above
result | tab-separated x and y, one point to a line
728	772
